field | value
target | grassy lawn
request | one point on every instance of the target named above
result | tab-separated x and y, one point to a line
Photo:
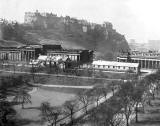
64	80
151	116
64	90
30	115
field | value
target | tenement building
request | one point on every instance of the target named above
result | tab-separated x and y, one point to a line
147	60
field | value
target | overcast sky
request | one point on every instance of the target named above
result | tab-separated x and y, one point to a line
136	19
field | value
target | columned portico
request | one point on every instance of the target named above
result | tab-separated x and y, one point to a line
145	63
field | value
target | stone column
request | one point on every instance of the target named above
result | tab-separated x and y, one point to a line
157	64
21	56
145	66
24	55
13	56
152	66
141	63
148	63
16	56
75	57
27	55
1	56
10	56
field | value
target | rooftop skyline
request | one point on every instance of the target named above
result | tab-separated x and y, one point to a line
136	19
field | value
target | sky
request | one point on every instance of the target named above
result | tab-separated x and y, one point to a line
136	19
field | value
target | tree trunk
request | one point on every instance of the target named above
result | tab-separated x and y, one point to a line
52	124
153	95
22	105
50	66
127	119
113	91
86	109
4	119
71	118
136	110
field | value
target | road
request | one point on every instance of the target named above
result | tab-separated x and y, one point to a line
80	112
63	86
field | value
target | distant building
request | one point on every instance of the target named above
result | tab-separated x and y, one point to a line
30	17
147	60
84	28
137	45
108	25
154	44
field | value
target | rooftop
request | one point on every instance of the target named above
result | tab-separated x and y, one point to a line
114	63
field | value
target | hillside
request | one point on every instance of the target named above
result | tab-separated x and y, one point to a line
71	34
9	43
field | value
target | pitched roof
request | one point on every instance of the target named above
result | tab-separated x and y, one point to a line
114	63
42	57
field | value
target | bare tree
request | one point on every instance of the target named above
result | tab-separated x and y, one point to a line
125	95
96	93
113	85
70	108
85	98
111	112
50	114
107	114
137	96
22	97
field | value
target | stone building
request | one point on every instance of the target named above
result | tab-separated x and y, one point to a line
78	55
23	53
147	60
113	66
32	52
